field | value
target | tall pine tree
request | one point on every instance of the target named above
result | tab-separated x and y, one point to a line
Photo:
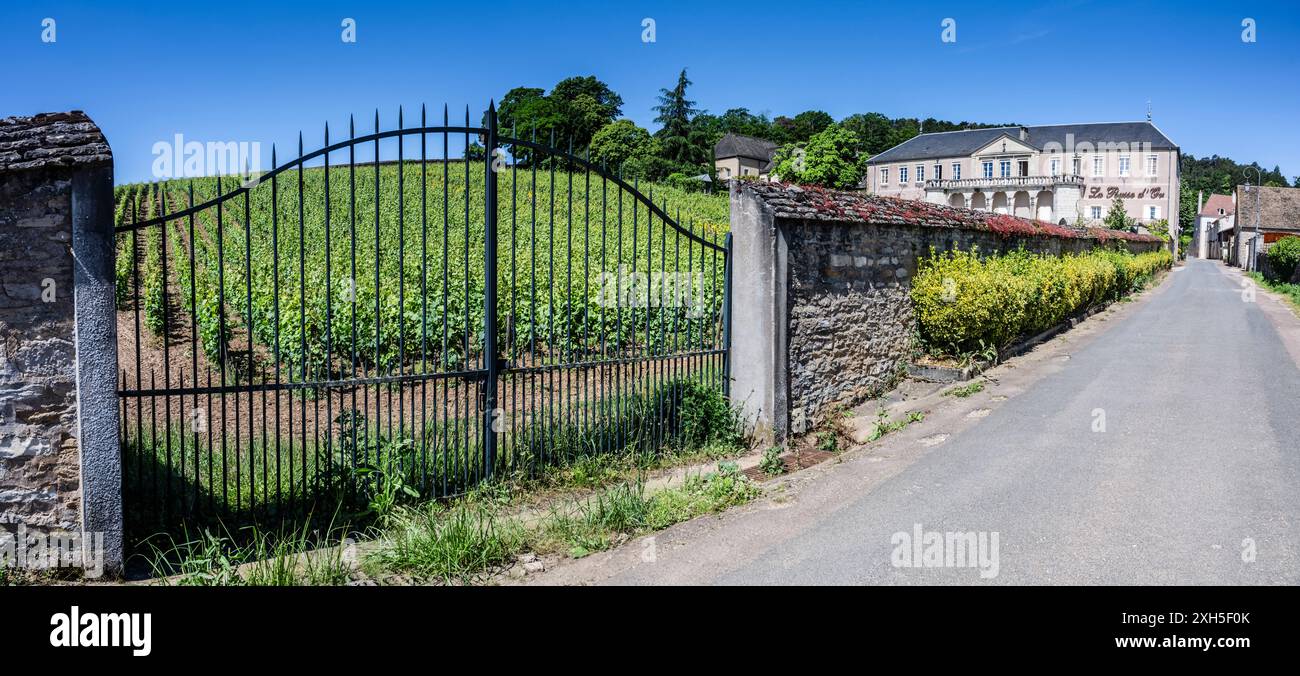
676	136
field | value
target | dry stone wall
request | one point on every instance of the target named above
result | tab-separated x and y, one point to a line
832	318
60	467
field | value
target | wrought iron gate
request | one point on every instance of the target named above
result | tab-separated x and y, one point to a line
330	328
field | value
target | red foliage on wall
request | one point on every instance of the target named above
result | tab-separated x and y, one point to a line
1057	231
1007	226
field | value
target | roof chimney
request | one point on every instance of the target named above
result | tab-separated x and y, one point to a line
1199	194
1024	133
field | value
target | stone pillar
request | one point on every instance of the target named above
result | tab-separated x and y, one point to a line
60	468
1065	202
759	318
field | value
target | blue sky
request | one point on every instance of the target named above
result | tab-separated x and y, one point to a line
261	71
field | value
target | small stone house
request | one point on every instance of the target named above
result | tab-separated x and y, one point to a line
1263	216
736	155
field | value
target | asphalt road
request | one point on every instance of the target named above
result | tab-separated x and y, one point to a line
1194	480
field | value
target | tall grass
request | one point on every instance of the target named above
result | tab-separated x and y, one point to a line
466	541
215	557
360	470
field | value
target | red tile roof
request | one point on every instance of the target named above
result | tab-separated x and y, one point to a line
1217	202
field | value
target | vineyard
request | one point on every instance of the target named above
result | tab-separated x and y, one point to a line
400	286
322	331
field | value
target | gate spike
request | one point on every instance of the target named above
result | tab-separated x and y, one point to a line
299	143
423	119
274	164
399	116
327	133
352	126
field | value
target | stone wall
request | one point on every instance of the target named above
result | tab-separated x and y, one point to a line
39	463
822	312
59	458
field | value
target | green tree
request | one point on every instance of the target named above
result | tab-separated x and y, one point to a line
903	130
809	123
583	105
1186	209
524	109
574	110
829	159
1117	218
1215	174
679	142
1159	229
735	121
620	141
1284	257
873	130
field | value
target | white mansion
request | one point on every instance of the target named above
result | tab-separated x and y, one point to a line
1054	173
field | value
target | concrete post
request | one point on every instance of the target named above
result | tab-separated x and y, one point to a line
96	351
759	318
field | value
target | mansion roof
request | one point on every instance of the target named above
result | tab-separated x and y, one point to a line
945	144
813	203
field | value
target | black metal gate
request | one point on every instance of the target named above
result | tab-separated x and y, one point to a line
336	331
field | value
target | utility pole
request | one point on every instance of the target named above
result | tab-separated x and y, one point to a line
1255	243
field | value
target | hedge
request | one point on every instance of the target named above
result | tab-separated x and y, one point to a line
966	303
1283	257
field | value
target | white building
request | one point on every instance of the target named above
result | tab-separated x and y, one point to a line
1055	173
1213	216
